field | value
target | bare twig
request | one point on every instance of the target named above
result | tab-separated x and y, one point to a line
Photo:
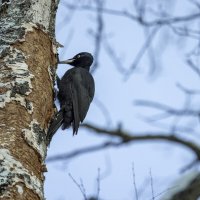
82	151
98	33
80	186
187	91
126	14
98	184
155	123
189	166
152	190
142	51
163	192
127	137
134	183
67	18
193	67
184	31
104	111
168	109
195	2
113	56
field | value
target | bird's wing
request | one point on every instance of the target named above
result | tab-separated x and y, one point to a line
82	87
74	96
91	87
86	95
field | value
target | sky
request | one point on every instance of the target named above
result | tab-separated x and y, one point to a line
160	159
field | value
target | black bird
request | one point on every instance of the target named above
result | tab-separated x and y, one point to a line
76	91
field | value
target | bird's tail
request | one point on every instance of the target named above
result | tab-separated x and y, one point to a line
54	126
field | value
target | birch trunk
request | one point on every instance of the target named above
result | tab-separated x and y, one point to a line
27	62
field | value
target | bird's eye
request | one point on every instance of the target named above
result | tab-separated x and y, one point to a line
78	56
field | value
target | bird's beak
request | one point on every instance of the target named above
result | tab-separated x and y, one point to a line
69	61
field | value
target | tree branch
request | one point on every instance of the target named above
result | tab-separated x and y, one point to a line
167	109
126	137
139	19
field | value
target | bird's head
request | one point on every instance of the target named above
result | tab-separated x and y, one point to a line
82	59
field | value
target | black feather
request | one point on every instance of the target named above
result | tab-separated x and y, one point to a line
76	91
54	125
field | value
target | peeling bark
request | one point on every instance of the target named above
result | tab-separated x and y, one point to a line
27	67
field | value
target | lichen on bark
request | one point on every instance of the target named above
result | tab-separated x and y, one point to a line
27	52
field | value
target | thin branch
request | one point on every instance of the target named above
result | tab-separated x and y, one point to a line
113	56
163	192
189	166
134	183
151	180
127	137
67	18
98	33
104	111
185	32
187	187
80	186
82	151
152	58
196	3
167	109
156	123
187	91
98	184
142	51
193	67
126	14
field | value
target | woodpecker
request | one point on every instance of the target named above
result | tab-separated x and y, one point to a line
76	92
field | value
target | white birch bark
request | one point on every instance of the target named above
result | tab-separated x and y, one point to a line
27	62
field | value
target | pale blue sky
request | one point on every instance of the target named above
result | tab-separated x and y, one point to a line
164	160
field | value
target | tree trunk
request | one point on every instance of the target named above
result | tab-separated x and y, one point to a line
27	65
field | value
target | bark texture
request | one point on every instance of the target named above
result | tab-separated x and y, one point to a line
27	66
